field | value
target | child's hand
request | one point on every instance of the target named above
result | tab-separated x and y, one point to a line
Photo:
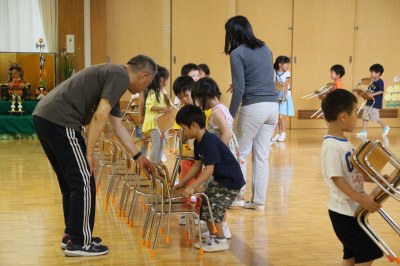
188	192
178	186
369	203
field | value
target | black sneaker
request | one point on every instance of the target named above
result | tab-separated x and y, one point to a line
64	241
73	250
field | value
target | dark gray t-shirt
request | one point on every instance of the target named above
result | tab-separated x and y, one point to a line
252	77
73	102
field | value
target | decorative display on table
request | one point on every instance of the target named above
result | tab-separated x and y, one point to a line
15	84
41	90
392	93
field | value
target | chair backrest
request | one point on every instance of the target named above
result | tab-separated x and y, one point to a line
186	150
166	121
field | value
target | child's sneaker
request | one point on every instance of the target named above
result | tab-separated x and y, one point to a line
255	206
385	130
182	220
237	203
73	250
64	241
204	242
362	133
163	158
216	245
227	233
193	199
282	137
276	137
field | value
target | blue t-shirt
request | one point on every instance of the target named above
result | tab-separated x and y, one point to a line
212	151
375	87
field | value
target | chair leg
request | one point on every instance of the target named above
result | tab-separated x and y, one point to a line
157	234
132	208
99	176
201	251
151	229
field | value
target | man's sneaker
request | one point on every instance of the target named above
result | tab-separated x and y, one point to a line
362	133
385	130
64	241
255	206
182	220
276	137
73	250
216	245
282	137
237	203
204	241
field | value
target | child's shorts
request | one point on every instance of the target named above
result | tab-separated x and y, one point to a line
356	243
220	199
370	113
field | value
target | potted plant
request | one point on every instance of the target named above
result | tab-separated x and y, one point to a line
68	61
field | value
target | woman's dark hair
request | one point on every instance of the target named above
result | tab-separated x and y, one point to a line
339	70
239	31
162	73
282	59
205	68
189	114
205	88
336	102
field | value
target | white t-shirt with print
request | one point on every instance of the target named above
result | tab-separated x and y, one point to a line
281	77
336	153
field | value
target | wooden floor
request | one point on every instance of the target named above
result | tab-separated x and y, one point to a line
293	230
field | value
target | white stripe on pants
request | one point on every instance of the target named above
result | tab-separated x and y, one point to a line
254	129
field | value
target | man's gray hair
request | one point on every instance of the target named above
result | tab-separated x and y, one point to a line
143	63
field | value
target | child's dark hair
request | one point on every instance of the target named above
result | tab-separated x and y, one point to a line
162	73
337	102
205	88
204	68
282	59
182	84
339	70
377	68
189	114
187	68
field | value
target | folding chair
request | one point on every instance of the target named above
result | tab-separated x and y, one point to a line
320	93
372	160
364	93
161	205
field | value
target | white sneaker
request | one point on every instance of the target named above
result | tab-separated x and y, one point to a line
201	222
385	130
255	206
205	241
362	133
237	203
216	245
276	137
163	158
227	233
182	220
282	137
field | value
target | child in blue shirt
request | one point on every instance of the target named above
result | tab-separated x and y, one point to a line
218	162
371	109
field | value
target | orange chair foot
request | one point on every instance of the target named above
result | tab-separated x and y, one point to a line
162	230
215	229
143	242
148	243
152	253
390	258
201	251
106	207
167	239
189	242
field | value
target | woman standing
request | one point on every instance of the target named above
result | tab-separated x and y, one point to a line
254	89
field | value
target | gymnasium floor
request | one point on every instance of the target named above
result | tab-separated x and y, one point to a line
293	230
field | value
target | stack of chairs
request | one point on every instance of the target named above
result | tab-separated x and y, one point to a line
379	164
